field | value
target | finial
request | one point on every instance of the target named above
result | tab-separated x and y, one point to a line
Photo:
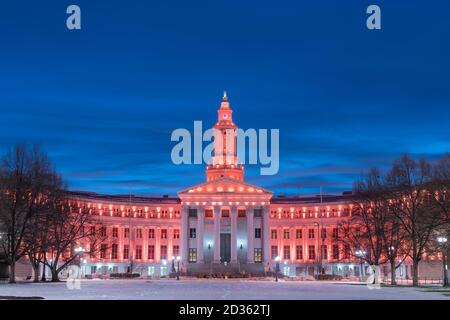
224	96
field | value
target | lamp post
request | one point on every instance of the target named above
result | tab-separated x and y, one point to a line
361	254
277	267
443	244
178	267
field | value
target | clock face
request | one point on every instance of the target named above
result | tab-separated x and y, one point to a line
225	116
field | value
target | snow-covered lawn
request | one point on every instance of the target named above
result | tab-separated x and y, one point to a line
211	289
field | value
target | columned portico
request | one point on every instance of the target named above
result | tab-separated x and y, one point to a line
250	235
266	235
200	233
234	234
184	234
216	234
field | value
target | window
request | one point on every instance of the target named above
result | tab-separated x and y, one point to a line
311	233
176	250
273	233
225	213
257	213
192	213
163	254
257	233
324	252
163	233
299	252
298	233
126	252
176	233
311	252
323	233
335	252
126	233
93	269
192	233
335	233
151	252
258	255
209	213
103	231
192	255
274	252
92	230
103	251
286	234
139	233
138	252
115	232
151	233
287	252
241	213
114	251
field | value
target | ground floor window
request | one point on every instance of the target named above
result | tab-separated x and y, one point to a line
138	252
93	269
114	251
126	251
287	252
151	252
311	252
274	252
258	255
299	252
192	254
163	254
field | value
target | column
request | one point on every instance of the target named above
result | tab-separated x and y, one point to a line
158	244
234	234
217	234
280	242
169	243
184	233
292	236
266	235
250	235
200	232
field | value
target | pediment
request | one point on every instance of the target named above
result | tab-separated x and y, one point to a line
224	186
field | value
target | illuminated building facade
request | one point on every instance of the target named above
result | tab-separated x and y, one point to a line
223	225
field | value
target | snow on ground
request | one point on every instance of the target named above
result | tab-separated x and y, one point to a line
213	289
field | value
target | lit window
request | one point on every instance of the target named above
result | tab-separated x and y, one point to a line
192	255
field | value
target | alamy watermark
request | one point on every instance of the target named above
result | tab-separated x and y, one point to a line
262	148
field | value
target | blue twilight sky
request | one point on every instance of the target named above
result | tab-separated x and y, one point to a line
104	100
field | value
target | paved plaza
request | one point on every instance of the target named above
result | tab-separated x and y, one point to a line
214	289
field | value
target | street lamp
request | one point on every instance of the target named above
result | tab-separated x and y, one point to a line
443	244
277	267
178	267
361	254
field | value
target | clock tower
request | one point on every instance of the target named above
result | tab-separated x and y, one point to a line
225	162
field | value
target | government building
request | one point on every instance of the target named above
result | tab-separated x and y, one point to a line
222	226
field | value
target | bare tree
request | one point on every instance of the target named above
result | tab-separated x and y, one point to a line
69	228
441	186
411	203
362	234
25	176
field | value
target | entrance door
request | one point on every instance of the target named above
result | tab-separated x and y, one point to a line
225	247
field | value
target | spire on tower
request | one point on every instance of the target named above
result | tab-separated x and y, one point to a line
224	96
